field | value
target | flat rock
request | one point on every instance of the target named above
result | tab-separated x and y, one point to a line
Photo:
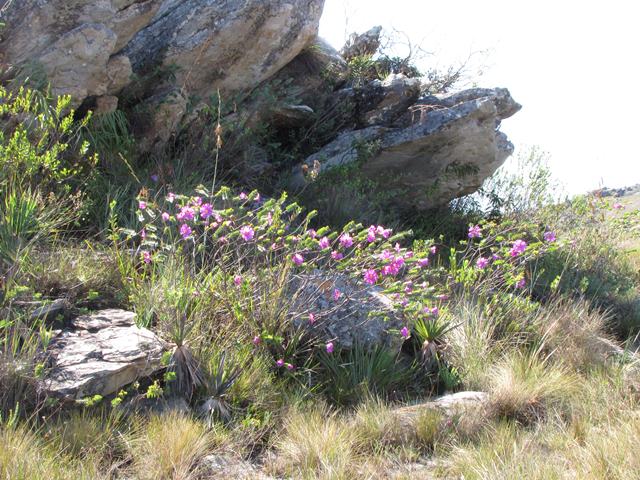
448	404
99	354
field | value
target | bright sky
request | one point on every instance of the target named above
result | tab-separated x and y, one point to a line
573	65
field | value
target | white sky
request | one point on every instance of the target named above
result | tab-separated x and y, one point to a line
573	65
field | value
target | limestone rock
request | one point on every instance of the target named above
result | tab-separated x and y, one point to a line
361	313
223	467
99	354
446	148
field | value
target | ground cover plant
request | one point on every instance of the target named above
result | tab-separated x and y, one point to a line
534	304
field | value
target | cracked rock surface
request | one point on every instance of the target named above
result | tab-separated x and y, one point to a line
99	354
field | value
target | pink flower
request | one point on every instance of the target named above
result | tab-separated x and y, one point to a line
280	363
143	234
146	257
435	311
371	236
443	297
521	283
243	196
408	254
423	262
482	262
165	217
290	367
206	210
270	218
408	288
247	233
312	319
237	280
312	233
475	232
404	332
396	247
370	276
329	347
171	197
519	246
223	240
197	201
337	255
345	240
324	243
433	249
386	233
386	255
336	294
549	237
186	214
185	231
618	206
298	259
142	205
257	340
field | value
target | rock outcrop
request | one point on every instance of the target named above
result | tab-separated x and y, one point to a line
439	148
180	48
99	354
165	61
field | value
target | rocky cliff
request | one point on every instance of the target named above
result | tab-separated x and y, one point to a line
164	60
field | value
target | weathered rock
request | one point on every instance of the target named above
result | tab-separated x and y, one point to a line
99	354
224	467
389	99
361	314
450	145
449	405
362	45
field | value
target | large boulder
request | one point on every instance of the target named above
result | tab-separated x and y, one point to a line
345	311
443	147
99	354
91	48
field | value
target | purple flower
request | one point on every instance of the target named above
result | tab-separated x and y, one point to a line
329	347
371	235
142	205
337	255
206	211
408	254
443	297
475	231
618	206
336	294
386	233
312	319
345	240
290	367
243	196
370	276
435	311
396	247
423	262
185	231
155	177
280	363
312	233
386	255
247	233
519	246
186	214
521	283
324	243
197	201
408	288
146	257
165	217
433	249
404	332
549	237
143	234
257	340
237	280
482	262
298	259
